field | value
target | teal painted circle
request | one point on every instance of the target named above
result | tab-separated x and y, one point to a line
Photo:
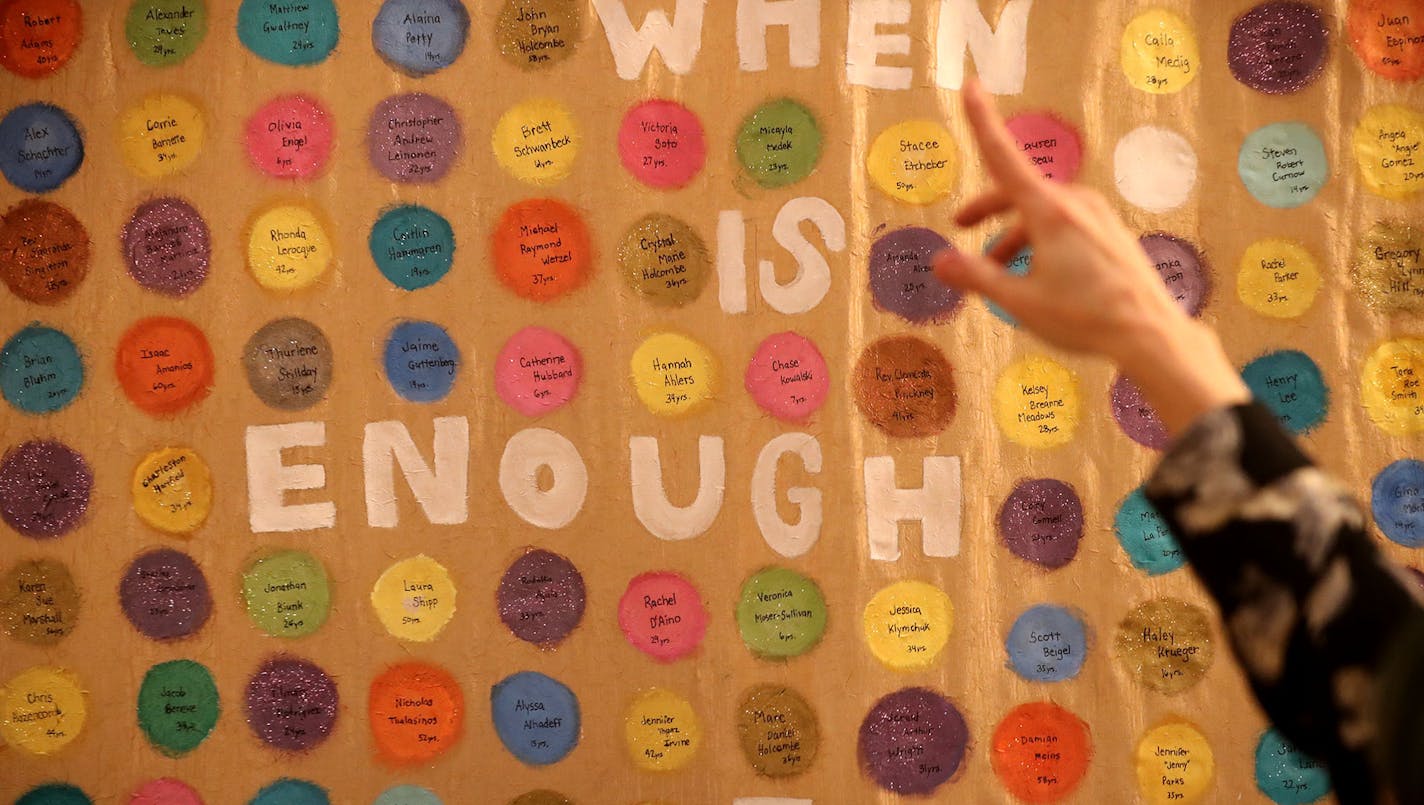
1290	384
290	32
1285	774
54	794
1018	266
407	795
287	791
1283	164
1145	537
40	370
413	246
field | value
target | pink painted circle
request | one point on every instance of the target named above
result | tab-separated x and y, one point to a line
290	137
662	144
662	615
787	377
1049	143
165	791
537	371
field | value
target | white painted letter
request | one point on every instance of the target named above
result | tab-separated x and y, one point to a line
813	273
1000	57
937	505
732	261
677	41
788	539
650	501
864	45
802	19
524	454
268	478
443	494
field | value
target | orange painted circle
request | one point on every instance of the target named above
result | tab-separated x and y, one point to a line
417	711
164	365
541	249
37	37
1041	752
1388	36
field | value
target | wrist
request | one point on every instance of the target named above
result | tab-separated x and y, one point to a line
1179	365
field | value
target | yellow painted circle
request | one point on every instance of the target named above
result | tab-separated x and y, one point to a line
1390	386
287	248
414	598
161	135
1036	403
673	374
536	141
907	624
1279	278
662	730
173	490
916	162
1389	145
41	710
1174	764
1159	52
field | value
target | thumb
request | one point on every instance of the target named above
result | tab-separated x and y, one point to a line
978	274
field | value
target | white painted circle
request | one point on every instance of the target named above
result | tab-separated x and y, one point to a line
1155	168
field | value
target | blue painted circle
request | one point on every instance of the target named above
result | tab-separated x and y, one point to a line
1283	164
413	246
1397	502
1145	537
536	717
421	36
421	361
40	370
1290	384
40	147
1018	266
287	791
1047	644
1285	774
407	795
54	794
289	33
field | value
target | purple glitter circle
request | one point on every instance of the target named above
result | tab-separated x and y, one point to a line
1041	521
912	741
1136	418
44	489
291	704
413	138
164	595
1181	267
541	598
167	247
1278	47
902	278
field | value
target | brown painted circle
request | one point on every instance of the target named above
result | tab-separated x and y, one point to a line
778	731
38	602
905	387
664	260
44	251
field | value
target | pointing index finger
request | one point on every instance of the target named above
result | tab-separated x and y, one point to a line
1001	154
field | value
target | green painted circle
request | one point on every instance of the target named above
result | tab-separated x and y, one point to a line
286	593
781	613
177	706
779	143
162	33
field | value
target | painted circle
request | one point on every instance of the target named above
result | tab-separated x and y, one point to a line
39	603
42	709
1041	521
779	143
38	37
289	137
167	247
177	706
289	364
1137	419
664	260
902	279
542	249
1278	278
912	741
286	593
1159	52
1154	168
1283	164
537	34
421	361
41	370
164	365
916	162
1278	47
161	135
288	791
44	488
536	141
780	613
1388	142
1040	752
413	138
1165	645
289	34
414	598
162	33
291	704
662	731
1390	384
40	147
1388	36
1290	384
787	377
1287	775
1145	537
541	597
536	717
172	490
416	713
1047	643
907	624
541	796
905	387
420	36
537	371
164	594
1386	261
673	374
1036	403
413	246
661	614
1019	265
661	143
1174	764
1397	502
408	795
1052	145
165	791
44	251
1182	269
778	731
55	794
288	248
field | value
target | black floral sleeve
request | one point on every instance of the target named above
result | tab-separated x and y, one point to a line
1310	606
